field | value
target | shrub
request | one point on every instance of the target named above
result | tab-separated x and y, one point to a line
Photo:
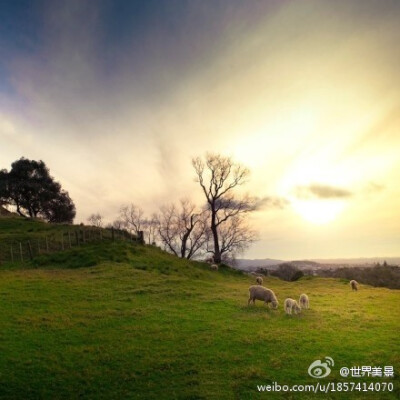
288	272
386	276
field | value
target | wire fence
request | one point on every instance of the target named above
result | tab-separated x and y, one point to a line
20	251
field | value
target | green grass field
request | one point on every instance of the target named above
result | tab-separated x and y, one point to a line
123	321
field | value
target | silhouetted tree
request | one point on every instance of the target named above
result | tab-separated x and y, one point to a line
60	209
117	224
96	220
235	236
218	176
182	229
30	188
132	218
150	226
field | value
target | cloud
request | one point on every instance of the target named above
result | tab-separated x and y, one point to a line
271	202
321	191
373	187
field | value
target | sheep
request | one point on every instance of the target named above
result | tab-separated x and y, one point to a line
214	267
354	285
291	304
303	301
259	280
258	292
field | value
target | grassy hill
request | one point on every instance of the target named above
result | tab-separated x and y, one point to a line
115	320
36	237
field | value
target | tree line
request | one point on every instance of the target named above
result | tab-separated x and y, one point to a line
217	228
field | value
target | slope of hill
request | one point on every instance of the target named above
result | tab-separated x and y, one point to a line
5	213
138	323
23	237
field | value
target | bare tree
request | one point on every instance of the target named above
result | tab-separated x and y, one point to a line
150	228
96	220
132	218
218	176
182	229
235	236
117	224
167	228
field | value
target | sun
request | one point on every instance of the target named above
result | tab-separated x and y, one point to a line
318	212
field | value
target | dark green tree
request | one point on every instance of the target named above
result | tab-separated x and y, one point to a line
33	191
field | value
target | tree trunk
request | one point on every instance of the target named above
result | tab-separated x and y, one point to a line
20	212
217	251
184	244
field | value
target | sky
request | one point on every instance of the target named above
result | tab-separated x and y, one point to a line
117	97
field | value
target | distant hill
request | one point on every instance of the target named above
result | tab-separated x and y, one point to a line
268	263
251	265
360	260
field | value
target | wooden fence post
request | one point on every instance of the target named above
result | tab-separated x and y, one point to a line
62	241
20	252
38	246
30	250
69	239
12	255
77	238
47	244
112	234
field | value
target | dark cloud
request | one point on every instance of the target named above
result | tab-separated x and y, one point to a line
321	191
271	202
248	203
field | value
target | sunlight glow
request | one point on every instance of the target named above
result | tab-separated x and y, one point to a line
318	212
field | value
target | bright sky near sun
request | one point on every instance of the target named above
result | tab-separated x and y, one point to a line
117	97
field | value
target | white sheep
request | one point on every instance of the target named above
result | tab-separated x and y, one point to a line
214	267
291	304
354	285
259	280
304	301
257	292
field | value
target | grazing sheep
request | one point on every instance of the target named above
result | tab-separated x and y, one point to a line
259	280
214	267
304	302
354	285
258	292
291	304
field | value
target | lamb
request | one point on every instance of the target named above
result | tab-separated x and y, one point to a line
354	285
258	292
214	267
304	302
259	280
291	304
